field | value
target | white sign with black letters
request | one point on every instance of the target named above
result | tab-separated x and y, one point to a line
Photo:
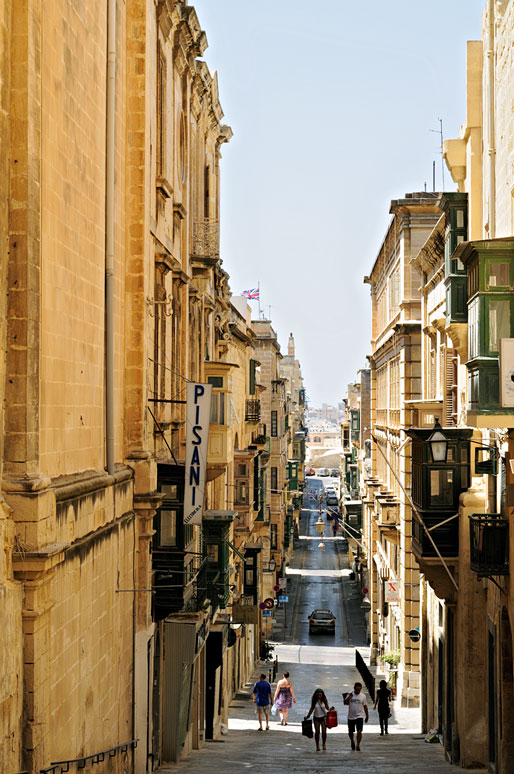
198	406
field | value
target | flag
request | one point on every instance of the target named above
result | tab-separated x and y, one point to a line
252	294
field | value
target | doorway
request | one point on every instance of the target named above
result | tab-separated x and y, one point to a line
492	733
506	696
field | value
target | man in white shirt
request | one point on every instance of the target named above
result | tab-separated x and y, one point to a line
357	712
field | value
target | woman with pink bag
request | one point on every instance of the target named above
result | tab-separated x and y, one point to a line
319	711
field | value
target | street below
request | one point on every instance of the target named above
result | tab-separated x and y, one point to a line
316	579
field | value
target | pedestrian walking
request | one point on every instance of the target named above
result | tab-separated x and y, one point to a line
262	700
284	697
357	713
318	710
382	699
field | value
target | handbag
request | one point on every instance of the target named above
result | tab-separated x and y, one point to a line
307	728
331	719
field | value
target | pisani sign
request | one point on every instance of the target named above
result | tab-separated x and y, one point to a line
198	405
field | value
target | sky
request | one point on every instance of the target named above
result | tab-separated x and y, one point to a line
332	105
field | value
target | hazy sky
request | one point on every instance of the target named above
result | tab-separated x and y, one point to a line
331	104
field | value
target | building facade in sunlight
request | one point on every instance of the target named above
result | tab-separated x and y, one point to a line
392	573
437	501
120	622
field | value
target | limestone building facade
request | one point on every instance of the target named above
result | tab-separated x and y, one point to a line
111	134
387	562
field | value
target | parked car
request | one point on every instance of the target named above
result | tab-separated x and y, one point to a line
335	473
310	472
323	472
322	621
332	499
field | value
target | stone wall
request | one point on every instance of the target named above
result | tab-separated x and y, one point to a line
90	645
11	652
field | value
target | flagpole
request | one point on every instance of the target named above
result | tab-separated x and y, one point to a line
259	298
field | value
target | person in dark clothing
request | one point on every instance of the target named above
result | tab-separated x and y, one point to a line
262	700
382	699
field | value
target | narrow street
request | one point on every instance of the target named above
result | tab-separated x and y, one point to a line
316	579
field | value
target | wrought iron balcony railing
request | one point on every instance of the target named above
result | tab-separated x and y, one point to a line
206	238
489	543
253	410
178	585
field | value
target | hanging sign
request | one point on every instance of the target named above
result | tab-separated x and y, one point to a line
392	592
247	614
198	405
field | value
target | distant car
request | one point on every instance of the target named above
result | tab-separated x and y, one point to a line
322	621
330	489
335	473
323	472
310	472
332	499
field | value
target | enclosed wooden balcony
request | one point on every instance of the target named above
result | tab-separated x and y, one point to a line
489	544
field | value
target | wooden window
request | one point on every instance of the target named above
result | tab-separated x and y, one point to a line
273	535
252	377
499	322
394	293
274	480
168	527
206	191
499	274
274	424
242	492
473	328
218	415
161	114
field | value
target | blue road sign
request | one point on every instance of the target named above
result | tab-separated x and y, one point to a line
267	613
283	599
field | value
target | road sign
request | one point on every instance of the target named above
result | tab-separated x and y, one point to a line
262	606
364	590
276	588
269	603
415	635
392	592
267	613
283	599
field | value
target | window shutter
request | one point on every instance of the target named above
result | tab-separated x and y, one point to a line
252	377
450	387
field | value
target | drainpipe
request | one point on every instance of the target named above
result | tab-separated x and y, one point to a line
491	149
109	235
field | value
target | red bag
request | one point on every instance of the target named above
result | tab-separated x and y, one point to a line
331	719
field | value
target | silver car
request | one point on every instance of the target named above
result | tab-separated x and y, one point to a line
322	621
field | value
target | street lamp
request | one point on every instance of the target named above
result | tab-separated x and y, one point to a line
438	443
272	566
320	525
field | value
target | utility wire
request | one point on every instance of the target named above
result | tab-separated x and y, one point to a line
415	512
